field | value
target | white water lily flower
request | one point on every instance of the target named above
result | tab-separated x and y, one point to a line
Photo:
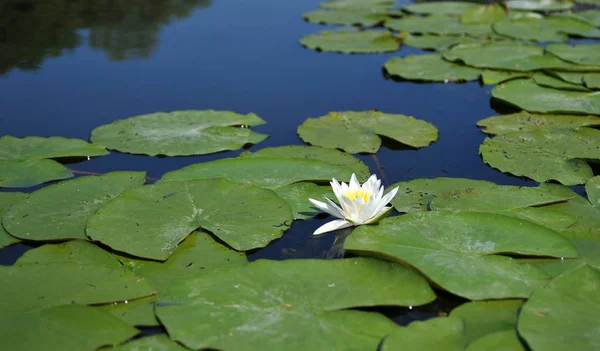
359	204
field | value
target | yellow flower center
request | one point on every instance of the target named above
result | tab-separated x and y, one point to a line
353	194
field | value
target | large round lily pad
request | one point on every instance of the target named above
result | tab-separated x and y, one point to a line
529	96
484	14
564	314
592	188
61	211
526	121
363	17
7	199
358	4
359	131
71	327
459	251
482	318
544	154
266	172
430	67
75	251
275	305
436	334
548	81
344	41
585	54
545	29
26	173
441	42
180	133
138	312
436	24
30	287
149	221
441	7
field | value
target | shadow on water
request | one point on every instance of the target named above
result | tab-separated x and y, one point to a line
32	31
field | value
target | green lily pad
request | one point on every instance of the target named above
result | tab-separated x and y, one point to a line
482	318
441	42
180	133
344	41
437	24
159	342
592	80
539	5
415	195
297	196
6	200
358	4
75	251
502	340
525	121
71	327
150	221
545	29
592	188
31	287
37	148
460	251
359	131
436	334
570	77
246	307
281	171
544	80
585	54
563	315
484	14
490	77
508	56
430	67
196	255
332	156
61	211
363	17
591	16
26	173
138	312
544	154
441	7
529	96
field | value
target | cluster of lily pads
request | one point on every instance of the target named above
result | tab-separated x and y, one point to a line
114	254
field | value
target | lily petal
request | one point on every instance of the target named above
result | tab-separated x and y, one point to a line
334	211
385	200
340	212
380	215
333	225
354	184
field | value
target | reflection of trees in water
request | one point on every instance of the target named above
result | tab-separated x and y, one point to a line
33	30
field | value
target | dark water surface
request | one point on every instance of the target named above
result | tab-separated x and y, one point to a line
67	67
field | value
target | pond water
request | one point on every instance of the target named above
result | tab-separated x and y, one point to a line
68	67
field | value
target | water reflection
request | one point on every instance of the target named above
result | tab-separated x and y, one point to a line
32	31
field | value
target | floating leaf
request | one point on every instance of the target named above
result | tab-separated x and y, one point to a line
358	4
75	251
529	96
246	307
149	221
30	287
539	5
26	173
436	24
564	314
525	121
37	148
550	82
196	255
281	171
359	131
592	80
508	56
431	67
415	195
297	196
545	29
591	16
332	156
592	188
484	14
544	154
363	17
502	340
159	342
441	42
489	76
138	312
441	7
436	334
571	77
70	327
459	251
585	54
7	199
482	318
61	211
363	42
180	133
